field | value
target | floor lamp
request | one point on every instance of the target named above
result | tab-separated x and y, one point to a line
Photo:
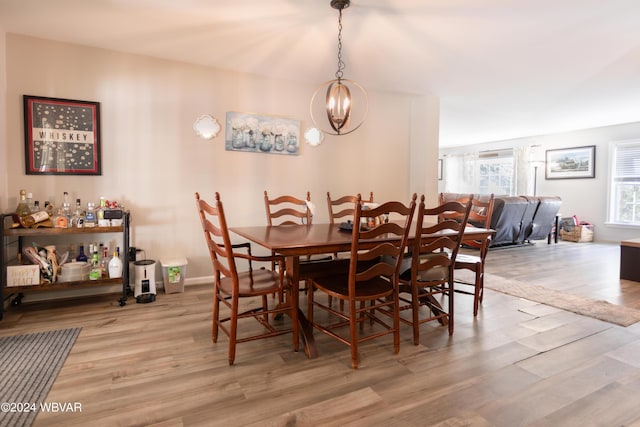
535	154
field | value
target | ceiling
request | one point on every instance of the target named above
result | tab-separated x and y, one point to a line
501	68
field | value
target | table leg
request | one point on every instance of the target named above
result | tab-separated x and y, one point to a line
306	329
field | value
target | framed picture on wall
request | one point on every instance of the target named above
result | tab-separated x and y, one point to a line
567	163
62	136
262	134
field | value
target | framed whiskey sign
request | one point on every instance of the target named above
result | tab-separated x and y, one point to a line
62	136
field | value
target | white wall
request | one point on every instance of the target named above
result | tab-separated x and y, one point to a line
153	162
586	198
425	126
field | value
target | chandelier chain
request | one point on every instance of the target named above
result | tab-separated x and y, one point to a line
341	65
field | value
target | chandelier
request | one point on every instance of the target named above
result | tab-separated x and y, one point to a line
345	103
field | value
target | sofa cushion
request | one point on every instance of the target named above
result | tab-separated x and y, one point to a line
544	218
507	218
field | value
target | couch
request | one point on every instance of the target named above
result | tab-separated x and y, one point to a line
519	219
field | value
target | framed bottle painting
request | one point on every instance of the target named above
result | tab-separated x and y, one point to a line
262	134
62	136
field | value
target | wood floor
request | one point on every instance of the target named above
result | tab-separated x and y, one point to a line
517	364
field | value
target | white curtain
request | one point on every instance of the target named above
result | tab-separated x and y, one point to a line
461	173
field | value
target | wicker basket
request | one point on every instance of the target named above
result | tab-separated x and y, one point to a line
579	233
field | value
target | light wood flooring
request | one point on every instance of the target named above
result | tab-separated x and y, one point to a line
517	364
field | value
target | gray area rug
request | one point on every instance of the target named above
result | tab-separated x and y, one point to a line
598	309
29	364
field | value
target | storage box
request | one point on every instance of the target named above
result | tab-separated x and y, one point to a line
23	275
579	233
173	273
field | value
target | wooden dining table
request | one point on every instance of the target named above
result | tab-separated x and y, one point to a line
299	241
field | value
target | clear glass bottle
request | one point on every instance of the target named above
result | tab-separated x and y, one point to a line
35	218
60	220
36	206
100	212
49	208
23	208
104	261
72	251
77	219
30	201
66	208
90	215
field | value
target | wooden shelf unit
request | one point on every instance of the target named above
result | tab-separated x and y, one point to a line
10	235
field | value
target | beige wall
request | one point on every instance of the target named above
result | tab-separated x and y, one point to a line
153	161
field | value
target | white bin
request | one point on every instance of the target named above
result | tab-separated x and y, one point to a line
174	271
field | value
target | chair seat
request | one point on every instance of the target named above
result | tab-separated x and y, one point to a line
435	274
315	269
467	259
255	283
338	286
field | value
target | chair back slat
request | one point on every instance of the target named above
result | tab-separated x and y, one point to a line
375	245
285	210
377	269
217	238
479	216
451	220
342	207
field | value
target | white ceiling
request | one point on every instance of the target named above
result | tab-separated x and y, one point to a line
502	68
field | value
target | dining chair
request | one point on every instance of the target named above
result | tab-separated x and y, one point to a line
369	279
286	210
479	216
429	280
290	210
343	207
340	209
231	285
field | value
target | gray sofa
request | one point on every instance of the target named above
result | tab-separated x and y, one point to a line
519	219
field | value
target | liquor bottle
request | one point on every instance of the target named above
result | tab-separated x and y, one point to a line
49	208
100	212
77	219
94	274
35	218
115	266
66	206
36	206
30	201
90	215
104	261
82	257
60	220
23	208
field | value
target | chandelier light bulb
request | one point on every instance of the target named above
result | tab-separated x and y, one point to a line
338	106
337	115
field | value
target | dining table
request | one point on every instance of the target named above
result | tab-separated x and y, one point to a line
296	242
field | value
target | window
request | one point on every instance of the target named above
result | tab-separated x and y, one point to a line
624	202
496	172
